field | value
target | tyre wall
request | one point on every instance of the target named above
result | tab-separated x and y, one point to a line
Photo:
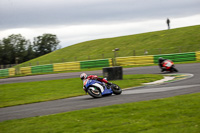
66	66
198	56
135	60
177	57
95	63
7	72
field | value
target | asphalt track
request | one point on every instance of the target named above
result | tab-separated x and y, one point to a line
187	86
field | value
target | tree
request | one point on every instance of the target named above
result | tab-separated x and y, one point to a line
16	49
7	52
1	52
13	49
30	54
45	44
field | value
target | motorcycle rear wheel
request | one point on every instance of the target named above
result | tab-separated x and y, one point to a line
95	93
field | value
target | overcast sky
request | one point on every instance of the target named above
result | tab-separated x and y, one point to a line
75	21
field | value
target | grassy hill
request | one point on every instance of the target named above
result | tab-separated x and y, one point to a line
186	39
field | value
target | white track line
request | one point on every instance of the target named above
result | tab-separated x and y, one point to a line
138	91
166	78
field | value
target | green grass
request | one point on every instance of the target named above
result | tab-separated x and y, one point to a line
184	39
179	114
30	92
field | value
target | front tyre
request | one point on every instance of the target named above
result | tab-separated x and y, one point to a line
116	89
174	69
94	92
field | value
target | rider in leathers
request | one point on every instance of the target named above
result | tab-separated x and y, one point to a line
161	61
84	76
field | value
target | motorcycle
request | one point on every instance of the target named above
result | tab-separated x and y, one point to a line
168	65
98	89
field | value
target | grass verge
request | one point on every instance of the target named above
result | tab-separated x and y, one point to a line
179	114
30	92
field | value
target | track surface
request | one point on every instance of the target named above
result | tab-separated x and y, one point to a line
187	86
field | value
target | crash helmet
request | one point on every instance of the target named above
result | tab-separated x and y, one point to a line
160	59
83	76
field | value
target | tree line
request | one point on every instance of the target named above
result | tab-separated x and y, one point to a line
16	49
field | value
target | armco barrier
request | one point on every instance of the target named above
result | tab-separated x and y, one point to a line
42	68
7	72
95	63
177	57
25	70
185	57
66	66
11	71
135	60
110	62
4	72
198	55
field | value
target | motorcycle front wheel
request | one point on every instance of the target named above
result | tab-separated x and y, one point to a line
94	92
173	70
116	89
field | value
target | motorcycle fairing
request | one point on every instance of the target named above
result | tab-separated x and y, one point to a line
104	90
167	64
99	86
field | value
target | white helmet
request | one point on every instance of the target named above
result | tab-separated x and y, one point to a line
83	76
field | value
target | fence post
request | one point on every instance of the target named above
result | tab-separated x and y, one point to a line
115	55
113	62
179	49
17	70
160	51
134	52
102	56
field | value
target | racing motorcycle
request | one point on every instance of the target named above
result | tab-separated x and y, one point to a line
168	65
99	89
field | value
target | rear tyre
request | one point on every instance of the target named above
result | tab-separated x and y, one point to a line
94	92
116	89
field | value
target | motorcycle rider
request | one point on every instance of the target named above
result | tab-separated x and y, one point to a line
84	76
161	61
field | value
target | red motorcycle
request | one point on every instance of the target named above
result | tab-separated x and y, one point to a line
168	65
